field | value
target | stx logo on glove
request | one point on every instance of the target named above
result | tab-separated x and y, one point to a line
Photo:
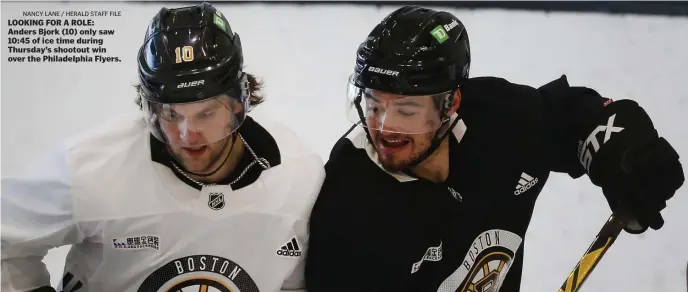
584	154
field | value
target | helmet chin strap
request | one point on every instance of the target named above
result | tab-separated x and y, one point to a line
436	142
181	166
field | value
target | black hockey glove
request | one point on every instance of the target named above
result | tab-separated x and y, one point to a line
635	167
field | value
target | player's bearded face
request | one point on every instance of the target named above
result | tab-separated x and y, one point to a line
396	158
401	127
198	134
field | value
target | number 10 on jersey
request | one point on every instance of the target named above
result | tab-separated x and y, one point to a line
184	54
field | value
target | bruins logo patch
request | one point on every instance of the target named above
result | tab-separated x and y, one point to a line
486	263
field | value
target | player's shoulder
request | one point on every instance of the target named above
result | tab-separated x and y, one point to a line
103	164
122	137
120	130
497	94
351	148
113	153
300	172
501	92
494	99
294	151
353	156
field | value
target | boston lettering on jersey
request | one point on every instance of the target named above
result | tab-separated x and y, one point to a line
200	272
486	263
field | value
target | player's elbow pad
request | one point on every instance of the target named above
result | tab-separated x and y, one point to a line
622	127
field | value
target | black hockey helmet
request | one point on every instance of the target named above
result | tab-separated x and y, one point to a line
191	59
414	51
417	54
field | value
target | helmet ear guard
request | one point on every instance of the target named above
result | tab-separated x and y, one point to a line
446	105
236	40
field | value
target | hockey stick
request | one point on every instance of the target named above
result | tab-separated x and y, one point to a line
603	241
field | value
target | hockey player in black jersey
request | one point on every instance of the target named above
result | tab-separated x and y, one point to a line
433	189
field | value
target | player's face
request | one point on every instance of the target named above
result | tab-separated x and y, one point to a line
198	133
404	131
204	159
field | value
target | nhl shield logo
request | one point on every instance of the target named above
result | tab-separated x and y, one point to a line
216	201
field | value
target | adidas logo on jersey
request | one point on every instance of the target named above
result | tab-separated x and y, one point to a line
525	183
290	248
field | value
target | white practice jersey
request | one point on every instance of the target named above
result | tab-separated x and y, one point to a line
135	226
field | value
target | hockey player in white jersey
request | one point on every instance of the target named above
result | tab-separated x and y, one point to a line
191	195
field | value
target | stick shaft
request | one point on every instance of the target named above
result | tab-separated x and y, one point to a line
603	241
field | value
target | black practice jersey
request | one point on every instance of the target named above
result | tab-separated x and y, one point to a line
372	230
